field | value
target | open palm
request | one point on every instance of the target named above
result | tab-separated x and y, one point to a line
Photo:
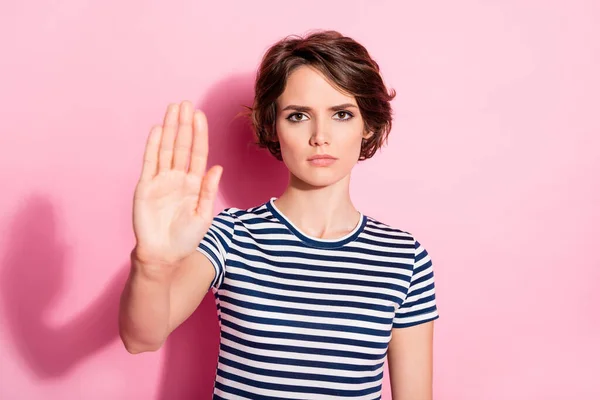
174	198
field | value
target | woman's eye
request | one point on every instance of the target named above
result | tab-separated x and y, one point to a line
292	117
299	117
345	115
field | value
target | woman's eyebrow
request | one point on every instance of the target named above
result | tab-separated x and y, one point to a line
308	109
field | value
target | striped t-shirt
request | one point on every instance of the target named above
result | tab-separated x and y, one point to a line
308	318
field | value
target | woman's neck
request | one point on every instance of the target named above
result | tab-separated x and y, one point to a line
324	213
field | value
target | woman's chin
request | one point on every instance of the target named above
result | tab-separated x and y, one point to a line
319	178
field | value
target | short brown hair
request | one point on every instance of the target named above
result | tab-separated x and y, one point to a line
344	62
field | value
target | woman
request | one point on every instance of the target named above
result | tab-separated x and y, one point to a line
312	294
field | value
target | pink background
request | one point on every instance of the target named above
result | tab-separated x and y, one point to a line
493	163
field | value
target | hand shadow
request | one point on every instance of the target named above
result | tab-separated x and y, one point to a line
32	274
32	279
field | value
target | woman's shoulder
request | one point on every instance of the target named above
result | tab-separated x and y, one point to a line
256	211
378	226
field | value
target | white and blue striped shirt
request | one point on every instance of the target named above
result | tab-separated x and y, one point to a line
309	318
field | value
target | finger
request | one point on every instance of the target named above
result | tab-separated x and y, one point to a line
165	155
199	144
150	165
183	140
208	192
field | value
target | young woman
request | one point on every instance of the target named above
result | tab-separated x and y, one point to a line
312	295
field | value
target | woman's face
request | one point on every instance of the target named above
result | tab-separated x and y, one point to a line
315	119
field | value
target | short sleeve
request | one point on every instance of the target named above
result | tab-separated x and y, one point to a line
216	242
420	304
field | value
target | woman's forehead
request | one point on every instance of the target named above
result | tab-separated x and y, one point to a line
308	87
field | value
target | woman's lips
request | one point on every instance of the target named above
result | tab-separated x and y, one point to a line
321	160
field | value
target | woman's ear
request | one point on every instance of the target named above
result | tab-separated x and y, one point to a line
367	135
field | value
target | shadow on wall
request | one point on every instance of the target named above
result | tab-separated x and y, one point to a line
34	266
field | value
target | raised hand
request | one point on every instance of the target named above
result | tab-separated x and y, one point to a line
174	198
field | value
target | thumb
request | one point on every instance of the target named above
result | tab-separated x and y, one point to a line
208	192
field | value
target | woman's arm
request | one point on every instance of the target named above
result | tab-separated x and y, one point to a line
410	362
154	303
